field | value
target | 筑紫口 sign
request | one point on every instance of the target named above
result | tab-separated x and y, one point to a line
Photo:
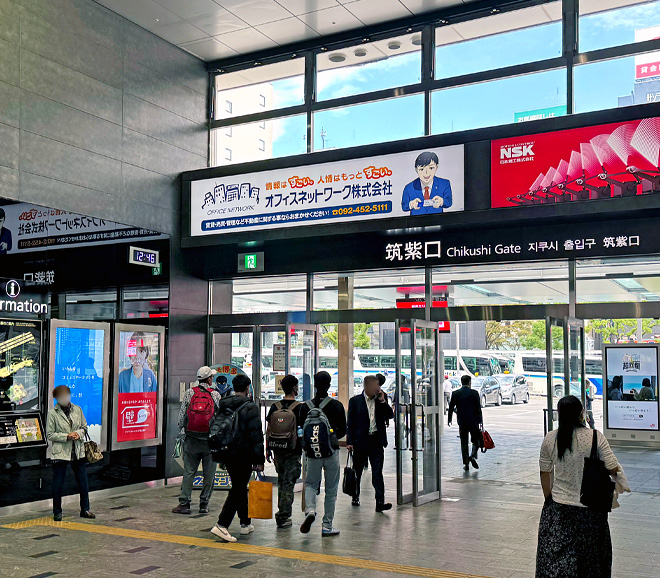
423	182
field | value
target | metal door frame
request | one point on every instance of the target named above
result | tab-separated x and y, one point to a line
415	497
290	325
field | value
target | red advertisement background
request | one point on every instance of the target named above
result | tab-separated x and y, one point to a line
572	153
134	402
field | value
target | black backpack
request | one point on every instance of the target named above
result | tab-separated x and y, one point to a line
319	440
225	433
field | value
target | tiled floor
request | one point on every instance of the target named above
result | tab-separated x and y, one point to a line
489	531
485	526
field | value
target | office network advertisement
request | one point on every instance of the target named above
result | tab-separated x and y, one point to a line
80	359
595	162
632	387
20	358
423	182
138	384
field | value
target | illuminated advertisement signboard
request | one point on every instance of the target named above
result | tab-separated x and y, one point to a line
631	394
423	182
138	386
20	359
80	359
596	162
21	430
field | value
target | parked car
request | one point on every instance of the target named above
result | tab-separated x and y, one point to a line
489	390
514	388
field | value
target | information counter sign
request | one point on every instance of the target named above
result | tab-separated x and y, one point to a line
423	182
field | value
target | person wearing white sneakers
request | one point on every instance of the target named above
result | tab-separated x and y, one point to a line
242	444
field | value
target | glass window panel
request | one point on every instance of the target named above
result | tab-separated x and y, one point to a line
369	66
502	284
498	41
373	122
371	289
498	102
260	88
279	137
633	279
605	23
269	294
612	84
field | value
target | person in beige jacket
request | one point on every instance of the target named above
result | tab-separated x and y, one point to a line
66	428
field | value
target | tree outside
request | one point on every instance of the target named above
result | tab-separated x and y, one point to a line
361	336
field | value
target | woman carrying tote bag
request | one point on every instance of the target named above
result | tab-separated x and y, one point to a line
574	541
66	428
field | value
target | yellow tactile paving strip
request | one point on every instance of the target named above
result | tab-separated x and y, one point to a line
244	548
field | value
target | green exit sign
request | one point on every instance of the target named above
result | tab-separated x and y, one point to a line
250	262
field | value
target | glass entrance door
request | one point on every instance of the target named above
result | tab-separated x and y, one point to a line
418	411
302	354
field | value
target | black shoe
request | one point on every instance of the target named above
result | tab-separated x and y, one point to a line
474	463
466	467
57	517
284	524
307	522
182	509
383	507
356	501
87	515
203	509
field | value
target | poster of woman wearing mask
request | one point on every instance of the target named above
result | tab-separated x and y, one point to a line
138	386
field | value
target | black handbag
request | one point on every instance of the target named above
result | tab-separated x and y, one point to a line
597	490
349	484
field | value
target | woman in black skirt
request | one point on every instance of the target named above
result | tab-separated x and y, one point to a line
574	542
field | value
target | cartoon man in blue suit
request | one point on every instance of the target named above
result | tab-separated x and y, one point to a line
427	194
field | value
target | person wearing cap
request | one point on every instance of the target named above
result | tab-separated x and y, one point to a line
194	408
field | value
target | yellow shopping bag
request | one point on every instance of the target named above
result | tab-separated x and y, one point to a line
260	500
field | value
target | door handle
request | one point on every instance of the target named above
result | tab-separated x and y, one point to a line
420	405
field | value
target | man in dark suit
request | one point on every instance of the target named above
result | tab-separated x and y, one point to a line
366	436
466	403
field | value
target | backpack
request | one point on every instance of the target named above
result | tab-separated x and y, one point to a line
283	428
317	433
200	411
225	434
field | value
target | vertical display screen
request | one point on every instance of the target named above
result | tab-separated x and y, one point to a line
138	386
79	364
20	358
631	391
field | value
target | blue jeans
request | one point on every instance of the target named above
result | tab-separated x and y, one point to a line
315	469
59	476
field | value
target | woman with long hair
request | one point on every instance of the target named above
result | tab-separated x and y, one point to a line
574	541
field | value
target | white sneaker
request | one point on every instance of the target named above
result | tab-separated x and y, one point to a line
223	533
245	530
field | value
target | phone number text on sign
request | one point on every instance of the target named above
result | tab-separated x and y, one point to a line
296	216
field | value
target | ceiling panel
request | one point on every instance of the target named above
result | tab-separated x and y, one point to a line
214	29
376	11
288	30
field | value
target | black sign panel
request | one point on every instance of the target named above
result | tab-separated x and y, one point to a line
522	244
21	430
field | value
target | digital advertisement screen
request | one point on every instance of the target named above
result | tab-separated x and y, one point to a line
632	387
594	162
21	430
81	362
20	358
138	386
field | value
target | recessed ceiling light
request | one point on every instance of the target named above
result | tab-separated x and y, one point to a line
360	52
337	57
394	45
444	21
156	19
417	40
494	10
